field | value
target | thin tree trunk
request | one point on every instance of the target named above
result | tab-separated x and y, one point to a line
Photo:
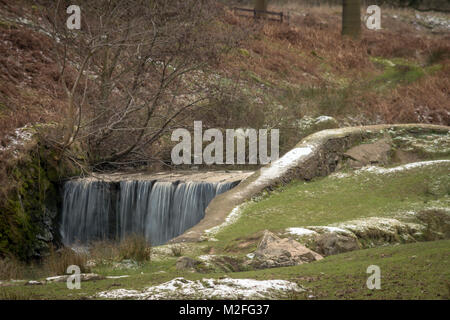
261	5
351	18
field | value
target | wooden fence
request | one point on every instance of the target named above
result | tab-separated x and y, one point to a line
269	15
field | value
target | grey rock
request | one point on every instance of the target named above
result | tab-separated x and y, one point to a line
186	263
34	283
332	243
83	277
370	153
274	251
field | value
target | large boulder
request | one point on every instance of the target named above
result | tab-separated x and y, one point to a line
274	251
369	153
333	243
186	263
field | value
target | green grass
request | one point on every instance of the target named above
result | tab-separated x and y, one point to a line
399	71
331	200
409	271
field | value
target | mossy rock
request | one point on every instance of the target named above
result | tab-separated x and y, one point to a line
28	212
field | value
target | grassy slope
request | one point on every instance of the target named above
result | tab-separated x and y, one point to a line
330	200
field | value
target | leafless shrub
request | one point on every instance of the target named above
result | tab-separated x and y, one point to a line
177	250
135	247
125	73
11	268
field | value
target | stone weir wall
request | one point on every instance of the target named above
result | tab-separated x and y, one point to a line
317	155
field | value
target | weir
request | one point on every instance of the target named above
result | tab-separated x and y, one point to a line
95	209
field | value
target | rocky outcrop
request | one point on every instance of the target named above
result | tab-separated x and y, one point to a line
425	225
333	243
369	153
274	251
377	231
186	263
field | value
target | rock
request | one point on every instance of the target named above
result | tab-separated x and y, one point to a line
332	243
57	278
117	277
34	283
370	153
126	264
379	231
91	264
83	277
186	263
273	252
437	223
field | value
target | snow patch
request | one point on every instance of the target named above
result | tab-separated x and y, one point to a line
227	288
19	138
381	170
230	219
301	231
408	166
281	165
323	229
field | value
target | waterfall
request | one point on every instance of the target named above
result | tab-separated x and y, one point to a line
86	208
96	210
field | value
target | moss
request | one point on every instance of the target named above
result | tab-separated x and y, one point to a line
28	212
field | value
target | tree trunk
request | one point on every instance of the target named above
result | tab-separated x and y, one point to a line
351	18
261	5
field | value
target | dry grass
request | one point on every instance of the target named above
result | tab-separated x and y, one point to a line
135	247
310	53
177	250
57	262
11	268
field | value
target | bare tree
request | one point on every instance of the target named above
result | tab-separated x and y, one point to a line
133	69
351	18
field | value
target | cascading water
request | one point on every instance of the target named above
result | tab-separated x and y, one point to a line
86	209
95	210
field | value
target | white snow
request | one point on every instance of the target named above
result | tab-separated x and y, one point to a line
226	288
230	219
381	170
300	231
117	277
328	229
408	166
20	136
323	119
281	165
